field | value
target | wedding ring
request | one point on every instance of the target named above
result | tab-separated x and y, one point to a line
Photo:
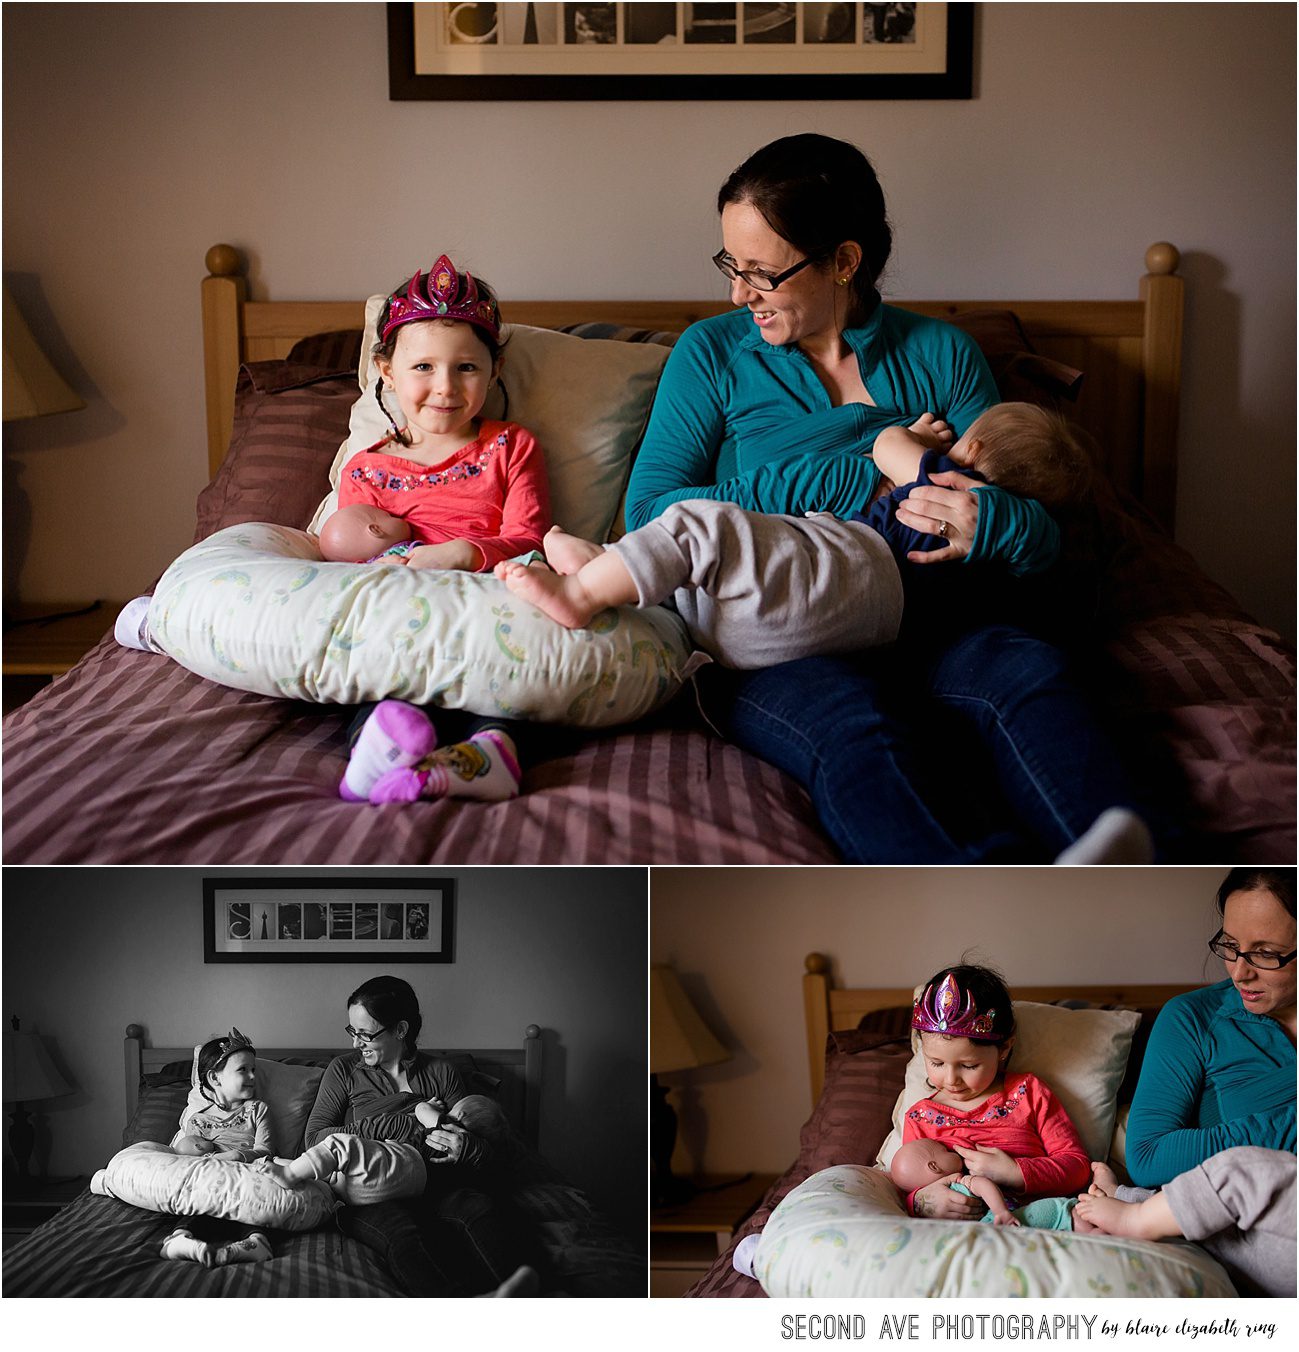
943	528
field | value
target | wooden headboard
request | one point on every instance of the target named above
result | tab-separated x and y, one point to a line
828	1009
517	1068
1129	350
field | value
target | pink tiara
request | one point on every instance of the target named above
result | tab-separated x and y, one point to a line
951	1010
442	293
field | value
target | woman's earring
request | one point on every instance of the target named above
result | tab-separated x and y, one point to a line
843	281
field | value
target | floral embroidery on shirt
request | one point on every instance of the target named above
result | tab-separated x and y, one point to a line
407	483
937	1118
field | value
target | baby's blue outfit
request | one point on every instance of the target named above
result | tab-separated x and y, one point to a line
1043	1213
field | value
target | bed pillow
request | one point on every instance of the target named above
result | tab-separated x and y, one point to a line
586	400
1080	1054
843	1234
1021	372
254	608
157	1111
150	1176
289	419
864	1074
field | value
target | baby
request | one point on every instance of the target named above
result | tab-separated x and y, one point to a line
363	533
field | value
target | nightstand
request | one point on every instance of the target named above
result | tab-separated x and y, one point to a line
34	653
686	1238
33	1203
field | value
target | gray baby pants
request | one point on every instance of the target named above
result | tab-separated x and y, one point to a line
757	590
1240	1206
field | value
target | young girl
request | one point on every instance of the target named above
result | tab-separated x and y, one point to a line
471	493
1007	1127
224	1119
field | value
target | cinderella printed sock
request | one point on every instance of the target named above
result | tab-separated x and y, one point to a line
484	768
254	1248
395	735
182	1244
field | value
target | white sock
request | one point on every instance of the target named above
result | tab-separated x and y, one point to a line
182	1244
395	735
1117	836
742	1258
132	627
254	1248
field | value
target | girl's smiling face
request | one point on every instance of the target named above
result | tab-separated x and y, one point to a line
440	372
1256	922
960	1070
236	1081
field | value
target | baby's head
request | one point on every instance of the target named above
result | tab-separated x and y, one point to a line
359	532
966	1023
438	324
226	1069
919	1162
1029	450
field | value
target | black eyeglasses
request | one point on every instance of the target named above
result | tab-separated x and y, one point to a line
364	1038
1266	962
761	281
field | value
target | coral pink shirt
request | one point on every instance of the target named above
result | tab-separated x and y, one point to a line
492	491
1026	1120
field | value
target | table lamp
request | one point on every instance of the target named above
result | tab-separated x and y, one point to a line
32	387
29	1076
679	1040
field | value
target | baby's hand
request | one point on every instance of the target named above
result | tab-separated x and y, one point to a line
1006	1219
430	1113
934	432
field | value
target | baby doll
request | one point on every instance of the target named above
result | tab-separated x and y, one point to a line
363	533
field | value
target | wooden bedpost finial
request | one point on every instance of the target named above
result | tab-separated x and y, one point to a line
134	1030
1162	259
816	964
531	1031
222	260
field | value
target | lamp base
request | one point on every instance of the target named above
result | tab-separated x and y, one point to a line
22	1136
666	1190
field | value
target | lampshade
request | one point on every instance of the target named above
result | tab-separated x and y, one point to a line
29	1073
679	1038
32	387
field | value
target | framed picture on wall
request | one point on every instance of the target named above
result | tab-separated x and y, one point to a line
328	919
652	49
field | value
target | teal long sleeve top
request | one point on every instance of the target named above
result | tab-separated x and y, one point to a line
1214	1076
738	420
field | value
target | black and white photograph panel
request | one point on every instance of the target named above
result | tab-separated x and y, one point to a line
219	1096
1070	1084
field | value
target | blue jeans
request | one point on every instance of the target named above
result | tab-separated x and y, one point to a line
978	748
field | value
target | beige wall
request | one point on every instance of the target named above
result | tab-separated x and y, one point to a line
738	938
135	136
87	951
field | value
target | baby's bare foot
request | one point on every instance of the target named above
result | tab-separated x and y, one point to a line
278	1171
567	553
562	598
1105	1182
1113	1217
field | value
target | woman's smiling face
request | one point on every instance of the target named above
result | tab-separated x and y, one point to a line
1256	922
801	310
387	1048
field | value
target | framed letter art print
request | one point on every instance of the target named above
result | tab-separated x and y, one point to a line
650	49
328	919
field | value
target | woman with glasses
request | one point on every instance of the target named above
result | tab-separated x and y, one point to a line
1213	1119
774	408
455	1240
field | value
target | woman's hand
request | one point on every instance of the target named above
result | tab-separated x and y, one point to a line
988	1162
937	1202
453	556
946	499
446	1144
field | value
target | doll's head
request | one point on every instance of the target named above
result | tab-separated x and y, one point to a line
359	532
919	1162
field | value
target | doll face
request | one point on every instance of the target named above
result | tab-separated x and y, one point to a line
961	1070
235	1082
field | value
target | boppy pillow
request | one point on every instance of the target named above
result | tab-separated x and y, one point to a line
1079	1054
255	608
586	400
843	1233
148	1175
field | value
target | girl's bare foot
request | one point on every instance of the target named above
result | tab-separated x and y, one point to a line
567	553
1105	1182
562	598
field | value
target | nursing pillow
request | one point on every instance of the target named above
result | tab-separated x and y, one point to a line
254	607
148	1175
843	1233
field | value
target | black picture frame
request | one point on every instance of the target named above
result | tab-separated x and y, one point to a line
955	81
404	919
